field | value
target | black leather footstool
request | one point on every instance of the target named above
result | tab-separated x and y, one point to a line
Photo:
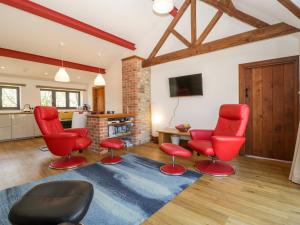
53	203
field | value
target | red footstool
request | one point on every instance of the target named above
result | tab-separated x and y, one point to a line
112	144
174	150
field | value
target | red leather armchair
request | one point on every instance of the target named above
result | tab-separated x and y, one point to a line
60	141
224	142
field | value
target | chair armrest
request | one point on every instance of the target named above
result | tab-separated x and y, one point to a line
82	132
227	147
61	144
201	134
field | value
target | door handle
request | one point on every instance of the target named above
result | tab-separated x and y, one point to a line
246	93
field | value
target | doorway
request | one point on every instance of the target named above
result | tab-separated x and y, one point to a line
270	88
99	99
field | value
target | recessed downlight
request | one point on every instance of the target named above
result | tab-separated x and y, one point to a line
2	67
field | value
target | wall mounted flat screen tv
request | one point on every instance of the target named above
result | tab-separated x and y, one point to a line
186	85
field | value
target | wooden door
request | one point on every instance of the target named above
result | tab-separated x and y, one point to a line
270	88
99	99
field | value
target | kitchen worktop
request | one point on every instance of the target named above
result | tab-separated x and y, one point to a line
10	113
21	112
111	116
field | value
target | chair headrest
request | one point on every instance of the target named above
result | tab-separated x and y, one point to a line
46	112
234	111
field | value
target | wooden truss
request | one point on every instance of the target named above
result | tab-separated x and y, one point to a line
197	46
293	8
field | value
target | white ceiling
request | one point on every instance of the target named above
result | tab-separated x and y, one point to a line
270	11
41	71
129	19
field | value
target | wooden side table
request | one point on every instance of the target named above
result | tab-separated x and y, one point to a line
164	135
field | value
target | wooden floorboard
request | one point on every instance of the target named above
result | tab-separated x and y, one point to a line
259	192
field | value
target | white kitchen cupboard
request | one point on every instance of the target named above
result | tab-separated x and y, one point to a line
37	131
22	126
5	127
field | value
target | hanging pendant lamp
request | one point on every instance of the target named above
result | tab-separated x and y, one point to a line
62	75
99	80
163	6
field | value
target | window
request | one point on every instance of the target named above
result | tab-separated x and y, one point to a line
9	97
60	99
46	98
74	99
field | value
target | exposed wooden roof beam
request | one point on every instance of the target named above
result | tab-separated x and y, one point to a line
47	60
60	18
170	28
292	7
227	7
193	22
258	34
209	27
181	38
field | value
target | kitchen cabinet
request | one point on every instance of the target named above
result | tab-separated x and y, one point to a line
37	131
5	127
18	126
22	126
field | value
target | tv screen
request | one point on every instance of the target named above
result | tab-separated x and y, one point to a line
186	85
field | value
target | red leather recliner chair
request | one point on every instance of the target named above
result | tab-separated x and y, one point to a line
224	142
60	141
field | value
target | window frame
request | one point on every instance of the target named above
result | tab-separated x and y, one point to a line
67	97
18	107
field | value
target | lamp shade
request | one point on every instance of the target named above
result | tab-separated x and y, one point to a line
99	80
163	6
62	75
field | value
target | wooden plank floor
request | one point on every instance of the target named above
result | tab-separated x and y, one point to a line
259	193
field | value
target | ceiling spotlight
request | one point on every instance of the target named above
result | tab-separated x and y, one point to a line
2	67
163	6
25	70
46	73
78	77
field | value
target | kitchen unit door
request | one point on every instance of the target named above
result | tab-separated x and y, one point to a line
5	127
22	126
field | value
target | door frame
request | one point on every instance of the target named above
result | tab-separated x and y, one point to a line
242	74
94	89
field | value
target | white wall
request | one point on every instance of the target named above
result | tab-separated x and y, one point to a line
31	95
113	88
220	81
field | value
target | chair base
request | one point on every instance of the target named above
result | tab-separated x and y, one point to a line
68	163
110	160
171	169
214	168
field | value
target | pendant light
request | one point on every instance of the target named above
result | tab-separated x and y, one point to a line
62	75
163	6
99	80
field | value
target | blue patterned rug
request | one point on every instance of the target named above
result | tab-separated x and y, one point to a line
125	194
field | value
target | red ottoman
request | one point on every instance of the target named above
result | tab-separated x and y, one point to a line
112	144
174	150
